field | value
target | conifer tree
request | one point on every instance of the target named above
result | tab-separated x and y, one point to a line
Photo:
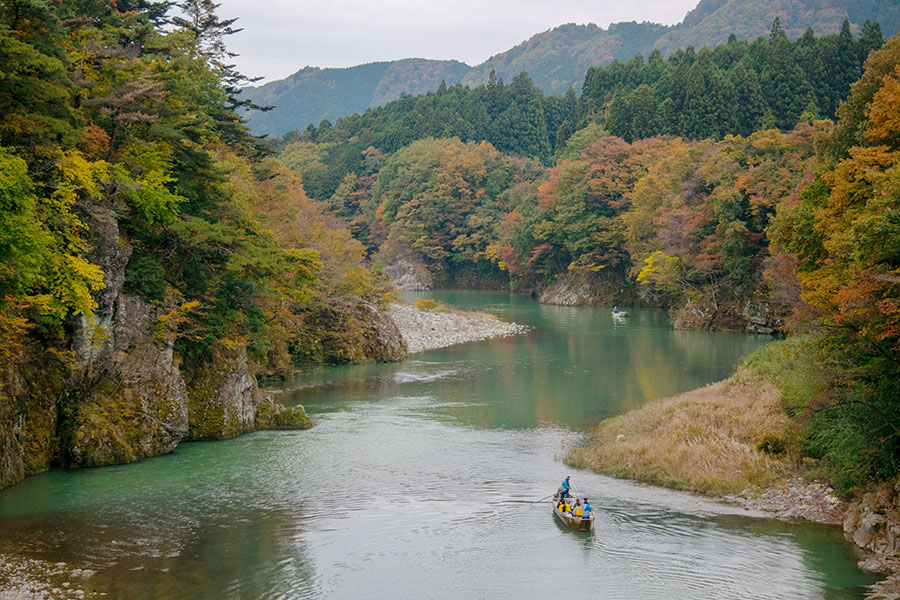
784	83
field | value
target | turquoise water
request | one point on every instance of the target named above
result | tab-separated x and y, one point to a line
418	481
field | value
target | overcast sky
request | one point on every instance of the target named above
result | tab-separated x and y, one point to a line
282	36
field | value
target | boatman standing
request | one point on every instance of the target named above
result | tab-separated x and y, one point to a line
564	488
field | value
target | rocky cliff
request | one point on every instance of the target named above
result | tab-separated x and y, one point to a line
28	418
127	399
224	400
872	522
585	290
118	394
409	275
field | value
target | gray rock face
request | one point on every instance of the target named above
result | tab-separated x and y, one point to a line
866	534
225	401
761	318
587	290
409	275
27	419
108	252
355	333
568	293
222	397
873	523
386	343
127	398
133	401
12	463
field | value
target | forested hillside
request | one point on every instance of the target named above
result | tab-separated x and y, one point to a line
312	95
557	59
737	88
713	21
151	259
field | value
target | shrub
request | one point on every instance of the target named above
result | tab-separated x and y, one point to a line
426	304
146	278
771	443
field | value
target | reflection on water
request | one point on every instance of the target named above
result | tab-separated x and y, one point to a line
574	367
418	481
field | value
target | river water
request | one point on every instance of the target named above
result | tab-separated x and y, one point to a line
417	482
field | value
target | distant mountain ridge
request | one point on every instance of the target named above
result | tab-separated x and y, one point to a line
712	21
312	94
555	59
558	58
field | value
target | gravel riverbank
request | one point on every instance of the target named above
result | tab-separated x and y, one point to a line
795	499
26	579
429	329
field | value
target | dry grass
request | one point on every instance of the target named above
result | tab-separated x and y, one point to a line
429	305
704	440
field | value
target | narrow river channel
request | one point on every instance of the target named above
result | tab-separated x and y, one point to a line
417	482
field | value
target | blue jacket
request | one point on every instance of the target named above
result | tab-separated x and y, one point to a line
565	486
586	512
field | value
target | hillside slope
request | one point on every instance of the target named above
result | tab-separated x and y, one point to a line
312	94
712	21
558	58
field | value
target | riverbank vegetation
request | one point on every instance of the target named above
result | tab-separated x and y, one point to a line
724	438
738	435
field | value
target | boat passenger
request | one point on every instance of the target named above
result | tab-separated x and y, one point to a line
564	488
586	509
567	508
615	310
578	509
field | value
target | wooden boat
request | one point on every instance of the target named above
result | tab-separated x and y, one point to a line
619	314
577	523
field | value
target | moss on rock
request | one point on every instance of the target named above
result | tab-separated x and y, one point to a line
127	400
28	416
352	334
271	414
222	394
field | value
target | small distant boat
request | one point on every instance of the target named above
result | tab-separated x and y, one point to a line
618	314
577	523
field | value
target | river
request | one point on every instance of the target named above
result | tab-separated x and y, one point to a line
417	481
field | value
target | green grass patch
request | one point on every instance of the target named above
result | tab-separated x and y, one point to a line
790	366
